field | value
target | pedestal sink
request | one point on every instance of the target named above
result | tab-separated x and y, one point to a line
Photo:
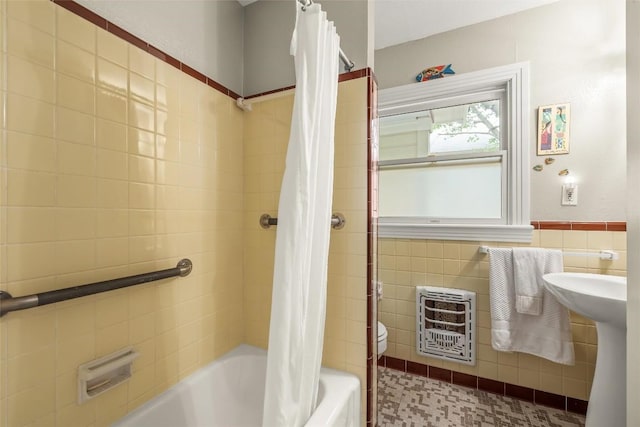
602	299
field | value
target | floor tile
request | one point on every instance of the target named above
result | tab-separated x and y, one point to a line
407	400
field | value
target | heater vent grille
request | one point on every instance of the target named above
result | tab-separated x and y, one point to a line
445	324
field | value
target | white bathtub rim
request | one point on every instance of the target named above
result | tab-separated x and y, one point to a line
343	385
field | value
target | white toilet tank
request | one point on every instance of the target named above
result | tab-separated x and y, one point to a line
382	339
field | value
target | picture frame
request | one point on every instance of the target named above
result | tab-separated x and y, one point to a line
554	129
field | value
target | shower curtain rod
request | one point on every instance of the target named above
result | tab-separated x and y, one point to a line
348	64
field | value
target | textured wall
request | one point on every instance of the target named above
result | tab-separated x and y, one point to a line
267	36
577	55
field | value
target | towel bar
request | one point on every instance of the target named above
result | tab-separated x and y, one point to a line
607	254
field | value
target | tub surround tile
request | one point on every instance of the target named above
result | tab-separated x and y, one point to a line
123	34
165	57
72	167
83	12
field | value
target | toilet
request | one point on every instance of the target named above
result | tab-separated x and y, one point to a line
382	339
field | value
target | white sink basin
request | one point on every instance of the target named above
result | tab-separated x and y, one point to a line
598	297
602	299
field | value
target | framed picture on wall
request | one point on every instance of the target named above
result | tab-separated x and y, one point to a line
553	129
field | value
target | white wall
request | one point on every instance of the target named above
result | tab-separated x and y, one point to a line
206	35
577	55
267	34
633	219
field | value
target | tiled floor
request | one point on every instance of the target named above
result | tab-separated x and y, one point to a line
410	400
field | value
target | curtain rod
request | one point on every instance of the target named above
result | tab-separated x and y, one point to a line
348	64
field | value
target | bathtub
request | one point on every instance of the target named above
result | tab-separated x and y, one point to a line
229	392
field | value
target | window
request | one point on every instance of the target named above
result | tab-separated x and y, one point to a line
454	157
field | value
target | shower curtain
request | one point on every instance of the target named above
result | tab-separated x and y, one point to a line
304	222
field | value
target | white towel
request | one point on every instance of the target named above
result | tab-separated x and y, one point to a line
529	265
547	335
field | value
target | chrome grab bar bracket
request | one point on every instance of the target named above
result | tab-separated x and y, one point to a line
185	267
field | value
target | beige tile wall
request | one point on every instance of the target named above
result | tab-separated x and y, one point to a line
405	264
266	139
112	163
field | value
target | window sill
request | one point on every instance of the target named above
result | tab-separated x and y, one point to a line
469	232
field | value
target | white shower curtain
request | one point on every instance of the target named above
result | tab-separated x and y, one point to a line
304	223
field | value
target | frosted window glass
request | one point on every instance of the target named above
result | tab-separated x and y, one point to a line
442	191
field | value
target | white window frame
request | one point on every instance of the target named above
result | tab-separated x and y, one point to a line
514	79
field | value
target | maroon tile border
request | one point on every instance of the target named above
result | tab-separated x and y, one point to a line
465	380
550	399
586	226
101	22
164	57
576	405
83	12
356	74
269	92
439	374
617	226
557	401
397	364
193	73
518	392
417	368
492	386
382	361
106	25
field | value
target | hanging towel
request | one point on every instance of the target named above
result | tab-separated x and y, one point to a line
529	265
547	335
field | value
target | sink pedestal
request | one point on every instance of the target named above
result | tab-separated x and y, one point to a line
607	402
603	299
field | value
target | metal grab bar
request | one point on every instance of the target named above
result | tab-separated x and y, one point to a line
337	221
9	303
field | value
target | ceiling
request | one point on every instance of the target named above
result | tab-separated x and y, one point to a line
400	21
